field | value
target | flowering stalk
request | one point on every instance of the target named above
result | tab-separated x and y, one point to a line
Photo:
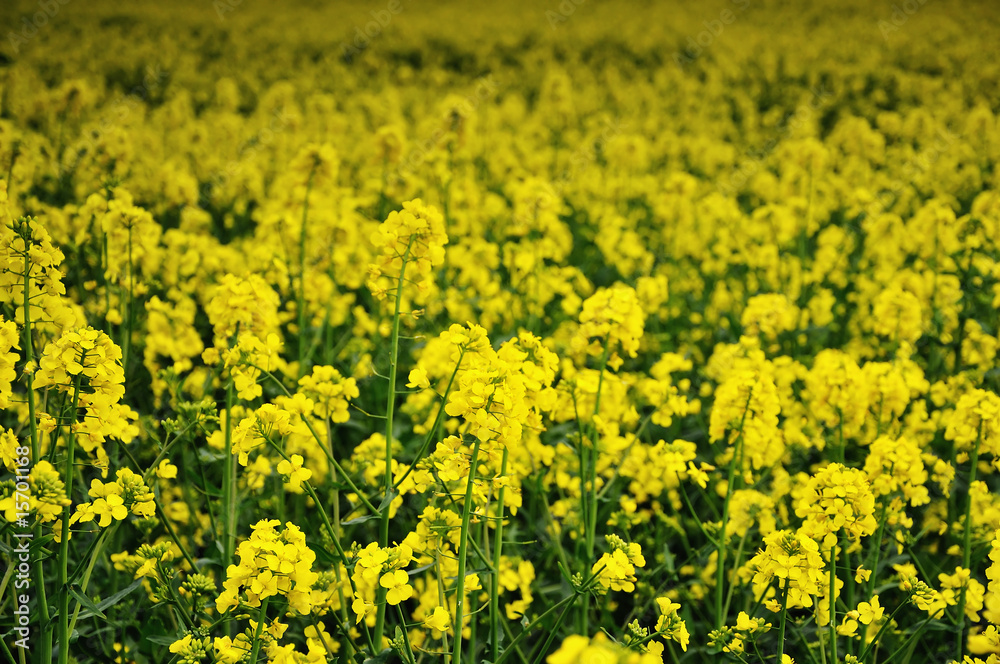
389	409
334	538
29	358
127	332
591	491
495	578
462	551
64	541
967	545
302	273
441	597
720	541
229	485
833	601
261	617
784	615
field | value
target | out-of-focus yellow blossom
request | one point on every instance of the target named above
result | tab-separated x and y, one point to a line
598	649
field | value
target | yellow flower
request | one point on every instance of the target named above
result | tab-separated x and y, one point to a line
745	623
166	470
848	628
112	507
362	608
439	619
869	612
265	585
181	644
397	584
294	472
418	378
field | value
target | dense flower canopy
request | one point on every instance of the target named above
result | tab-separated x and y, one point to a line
538	332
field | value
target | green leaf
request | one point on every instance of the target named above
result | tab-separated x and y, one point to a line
111	601
387	500
383	506
85	601
360	519
380	658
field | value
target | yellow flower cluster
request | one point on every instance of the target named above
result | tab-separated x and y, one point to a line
834	499
611	318
616	569
598	649
86	364
794	559
272	563
376	567
8	342
46	499
114	501
328	393
411	239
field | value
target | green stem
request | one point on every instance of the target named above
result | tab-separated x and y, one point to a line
64	541
90	568
562	604
784	615
127	331
406	636
463	547
495	577
45	649
967	544
878	635
720	541
878	550
833	602
441	598
736	565
161	514
432	433
336	534
229	485
850	591
261	618
307	485
302	275
174	599
916	632
591	485
341	473
552	634
390	407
